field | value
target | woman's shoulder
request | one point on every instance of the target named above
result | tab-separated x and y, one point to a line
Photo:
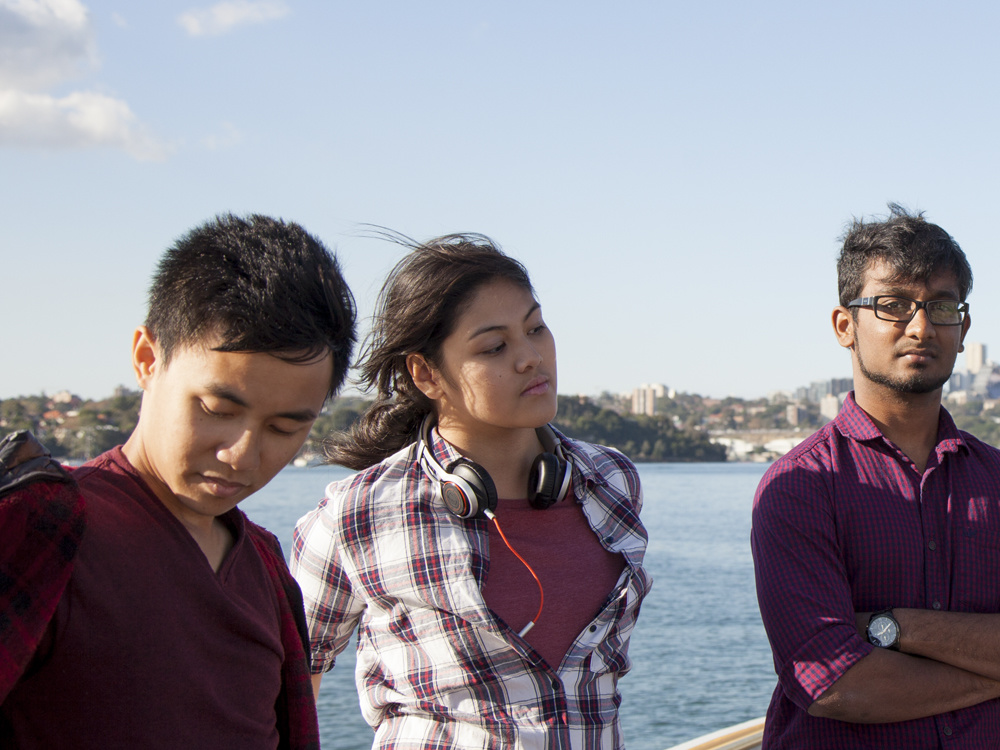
387	472
598	456
363	504
602	464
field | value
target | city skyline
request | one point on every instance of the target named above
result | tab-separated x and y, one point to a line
639	402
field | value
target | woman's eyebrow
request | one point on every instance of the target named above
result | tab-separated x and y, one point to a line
487	329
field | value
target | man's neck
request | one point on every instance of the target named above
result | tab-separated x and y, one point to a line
909	420
211	534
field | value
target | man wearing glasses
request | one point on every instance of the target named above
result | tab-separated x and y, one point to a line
876	541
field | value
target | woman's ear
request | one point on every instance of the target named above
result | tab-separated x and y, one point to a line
425	377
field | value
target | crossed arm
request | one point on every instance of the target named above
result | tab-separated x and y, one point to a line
947	661
962	639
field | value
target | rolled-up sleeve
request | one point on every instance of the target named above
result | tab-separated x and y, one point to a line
802	583
332	609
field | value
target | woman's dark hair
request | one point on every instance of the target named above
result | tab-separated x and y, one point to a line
417	309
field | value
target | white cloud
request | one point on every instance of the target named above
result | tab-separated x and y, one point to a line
80	120
222	17
119	20
46	42
43	42
229	137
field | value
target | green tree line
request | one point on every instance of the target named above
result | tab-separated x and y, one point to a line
76	429
639	437
79	430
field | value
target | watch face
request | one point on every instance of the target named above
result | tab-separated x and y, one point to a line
883	631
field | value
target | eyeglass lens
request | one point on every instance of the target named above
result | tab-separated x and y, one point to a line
939	311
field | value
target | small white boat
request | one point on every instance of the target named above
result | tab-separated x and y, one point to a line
745	736
308	459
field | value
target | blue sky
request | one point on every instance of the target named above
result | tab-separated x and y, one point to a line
674	175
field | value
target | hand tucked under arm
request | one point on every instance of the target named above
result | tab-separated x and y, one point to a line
888	686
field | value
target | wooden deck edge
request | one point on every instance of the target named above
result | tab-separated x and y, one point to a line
745	736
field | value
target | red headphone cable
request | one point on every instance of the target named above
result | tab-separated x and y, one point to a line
541	592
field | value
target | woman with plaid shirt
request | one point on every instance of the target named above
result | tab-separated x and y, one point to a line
488	615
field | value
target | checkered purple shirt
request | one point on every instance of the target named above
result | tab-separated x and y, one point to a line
846	523
436	669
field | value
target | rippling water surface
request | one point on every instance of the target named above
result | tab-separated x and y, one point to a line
700	655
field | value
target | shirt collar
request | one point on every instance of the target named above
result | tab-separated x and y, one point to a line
584	469
443	451
950	440
854	423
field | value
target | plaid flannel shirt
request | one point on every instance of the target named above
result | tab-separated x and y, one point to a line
436	668
41	524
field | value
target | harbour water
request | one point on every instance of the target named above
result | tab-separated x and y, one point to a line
700	656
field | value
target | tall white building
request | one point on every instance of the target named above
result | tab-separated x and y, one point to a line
975	357
829	406
644	398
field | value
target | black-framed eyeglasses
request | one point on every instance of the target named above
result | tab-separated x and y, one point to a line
940	312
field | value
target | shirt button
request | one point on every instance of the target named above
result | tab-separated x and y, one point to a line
932	545
555	684
936	605
947	731
593	628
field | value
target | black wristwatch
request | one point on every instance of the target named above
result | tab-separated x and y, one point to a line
883	630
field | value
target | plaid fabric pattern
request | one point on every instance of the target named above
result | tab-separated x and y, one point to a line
846	523
436	669
41	525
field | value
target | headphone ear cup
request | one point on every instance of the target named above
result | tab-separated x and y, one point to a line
468	490
548	481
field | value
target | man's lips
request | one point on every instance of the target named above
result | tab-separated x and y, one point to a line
223	487
919	355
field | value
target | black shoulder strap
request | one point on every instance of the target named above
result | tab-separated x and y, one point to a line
24	460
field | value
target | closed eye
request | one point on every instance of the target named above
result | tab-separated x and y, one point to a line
212	412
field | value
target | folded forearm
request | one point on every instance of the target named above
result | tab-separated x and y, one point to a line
965	640
886	686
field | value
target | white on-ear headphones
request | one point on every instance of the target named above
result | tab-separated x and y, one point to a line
468	490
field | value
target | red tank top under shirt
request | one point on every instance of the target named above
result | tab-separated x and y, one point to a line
575	570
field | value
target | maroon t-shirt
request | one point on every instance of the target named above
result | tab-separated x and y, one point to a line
576	572
149	647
